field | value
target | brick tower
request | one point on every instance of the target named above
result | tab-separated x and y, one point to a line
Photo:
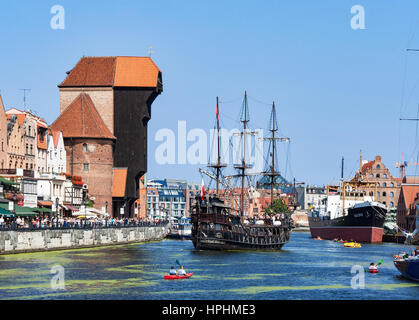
105	105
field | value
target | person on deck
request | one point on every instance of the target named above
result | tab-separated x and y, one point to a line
181	271
172	271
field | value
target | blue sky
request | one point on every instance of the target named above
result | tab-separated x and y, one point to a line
338	90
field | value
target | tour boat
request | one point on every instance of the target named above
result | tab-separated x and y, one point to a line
217	226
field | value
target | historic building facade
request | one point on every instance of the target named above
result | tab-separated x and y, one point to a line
384	187
406	208
110	148
56	155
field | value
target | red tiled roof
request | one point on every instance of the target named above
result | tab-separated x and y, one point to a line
82	120
113	72
136	72
91	71
367	166
119	182
20	117
55	137
42	144
409	194
411	179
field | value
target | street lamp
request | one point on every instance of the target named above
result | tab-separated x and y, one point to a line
14	203
57	201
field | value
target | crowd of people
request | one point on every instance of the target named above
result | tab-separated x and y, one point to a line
406	255
75	222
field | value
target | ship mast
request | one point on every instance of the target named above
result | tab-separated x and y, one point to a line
218	165
243	167
273	172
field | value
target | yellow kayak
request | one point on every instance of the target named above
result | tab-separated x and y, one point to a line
352	245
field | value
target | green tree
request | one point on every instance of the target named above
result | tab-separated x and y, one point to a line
277	206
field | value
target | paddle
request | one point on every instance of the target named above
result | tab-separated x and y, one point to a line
177	261
379	262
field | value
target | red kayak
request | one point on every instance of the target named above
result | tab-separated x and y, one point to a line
174	277
373	270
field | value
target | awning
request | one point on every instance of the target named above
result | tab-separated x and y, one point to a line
96	211
72	208
64	207
84	214
6	213
20	211
43	210
45	203
8	182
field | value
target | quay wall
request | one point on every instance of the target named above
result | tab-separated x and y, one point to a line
19	241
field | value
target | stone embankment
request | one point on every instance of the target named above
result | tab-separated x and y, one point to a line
26	240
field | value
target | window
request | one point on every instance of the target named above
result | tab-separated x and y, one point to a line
378	166
378	175
392	194
85	167
384	194
384	184
84	147
378	194
384	176
391	204
392	184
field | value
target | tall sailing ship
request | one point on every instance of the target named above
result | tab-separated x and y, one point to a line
349	213
217	226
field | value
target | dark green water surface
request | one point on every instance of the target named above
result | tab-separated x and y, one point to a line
304	269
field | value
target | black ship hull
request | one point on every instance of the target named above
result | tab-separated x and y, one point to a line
226	244
363	223
213	228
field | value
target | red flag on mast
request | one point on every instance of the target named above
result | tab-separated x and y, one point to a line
218	115
202	189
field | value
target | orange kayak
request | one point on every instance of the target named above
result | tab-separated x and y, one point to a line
174	277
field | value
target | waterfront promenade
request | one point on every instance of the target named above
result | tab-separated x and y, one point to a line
17	239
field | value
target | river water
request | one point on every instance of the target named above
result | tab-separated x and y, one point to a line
304	269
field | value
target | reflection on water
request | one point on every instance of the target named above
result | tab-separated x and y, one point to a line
304	269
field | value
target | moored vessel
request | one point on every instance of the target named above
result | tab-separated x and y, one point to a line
408	267
349	214
217	226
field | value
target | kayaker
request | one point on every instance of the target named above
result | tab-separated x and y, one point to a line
373	267
181	271
172	271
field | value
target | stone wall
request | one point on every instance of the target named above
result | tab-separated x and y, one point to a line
58	239
98	177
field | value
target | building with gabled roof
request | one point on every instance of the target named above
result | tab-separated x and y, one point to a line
406	207
56	154
105	105
382	185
